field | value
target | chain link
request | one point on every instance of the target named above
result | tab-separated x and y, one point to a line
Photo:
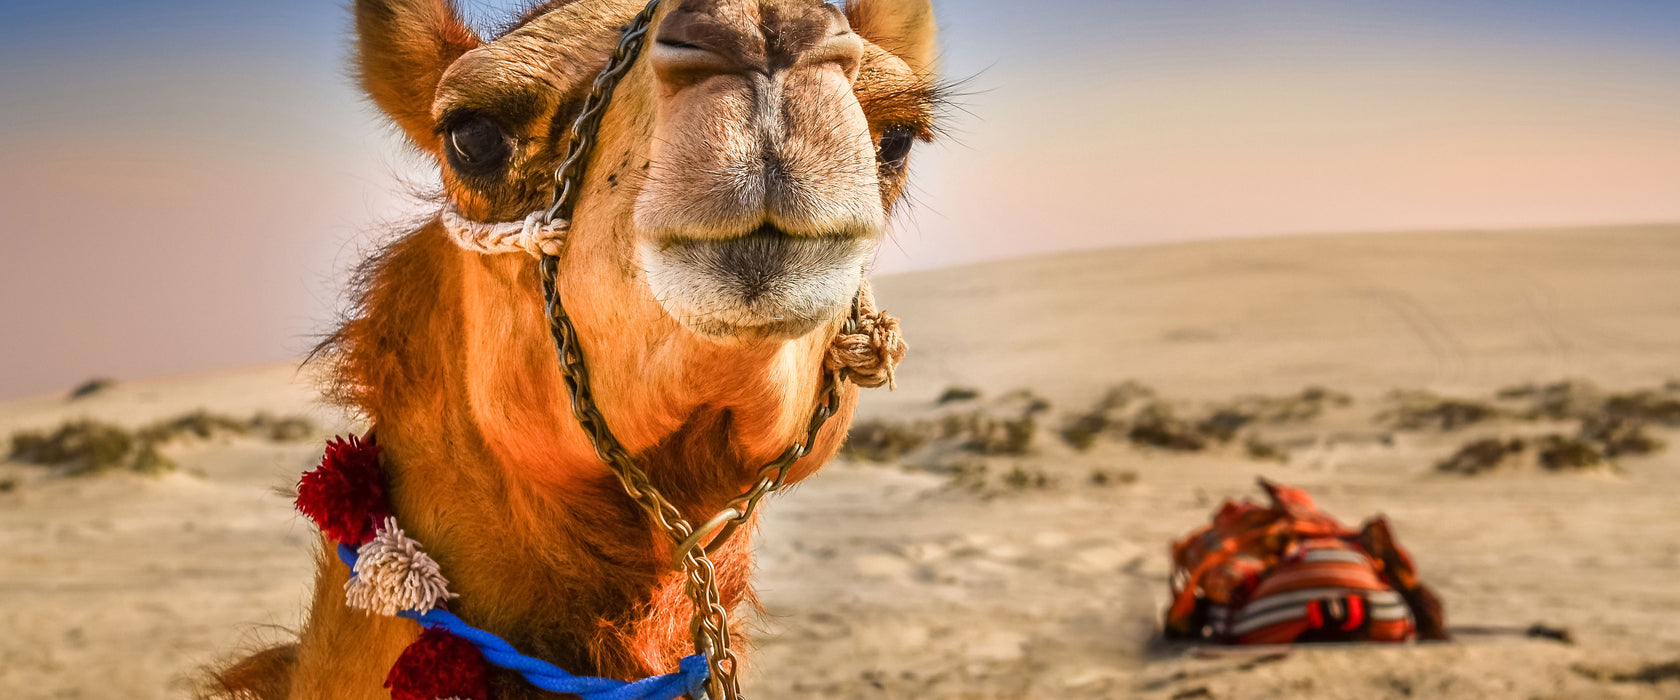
709	625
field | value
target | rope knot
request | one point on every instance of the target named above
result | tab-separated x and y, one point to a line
870	353
533	235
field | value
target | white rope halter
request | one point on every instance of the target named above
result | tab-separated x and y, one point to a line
531	236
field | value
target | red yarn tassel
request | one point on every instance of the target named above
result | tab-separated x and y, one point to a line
345	496
439	665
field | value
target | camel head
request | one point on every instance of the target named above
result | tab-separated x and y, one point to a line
745	170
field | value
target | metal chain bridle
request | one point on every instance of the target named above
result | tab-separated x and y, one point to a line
710	623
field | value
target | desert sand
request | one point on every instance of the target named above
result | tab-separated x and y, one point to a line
1037	571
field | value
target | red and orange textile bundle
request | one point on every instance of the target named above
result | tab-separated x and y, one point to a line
1287	572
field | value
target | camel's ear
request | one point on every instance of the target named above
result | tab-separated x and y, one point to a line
906	28
402	50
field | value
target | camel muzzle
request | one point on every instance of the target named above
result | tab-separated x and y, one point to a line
766	284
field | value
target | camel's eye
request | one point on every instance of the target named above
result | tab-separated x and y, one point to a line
477	146
895	146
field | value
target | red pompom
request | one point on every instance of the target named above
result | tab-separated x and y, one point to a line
439	665
345	496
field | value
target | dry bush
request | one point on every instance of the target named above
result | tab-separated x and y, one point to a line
957	393
1081	430
1556	401
284	428
204	425
955	442
148	461
1559	453
1646	406
1156	426
1307	405
1133	413
200	424
82	446
1104	477
86	447
993	435
1262	451
92	386
1481	456
1422	410
1618	434
1222	425
1580	399
882	441
1023	401
1021	479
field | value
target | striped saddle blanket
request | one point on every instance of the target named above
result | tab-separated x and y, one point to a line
1286	572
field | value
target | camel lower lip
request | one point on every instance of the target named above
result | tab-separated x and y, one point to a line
766	283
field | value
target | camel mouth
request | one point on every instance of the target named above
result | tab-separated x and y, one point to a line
765	284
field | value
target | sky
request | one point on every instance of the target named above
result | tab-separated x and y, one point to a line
184	184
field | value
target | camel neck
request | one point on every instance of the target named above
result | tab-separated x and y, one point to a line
489	470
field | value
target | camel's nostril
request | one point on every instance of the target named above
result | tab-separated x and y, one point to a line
693	40
679	44
685	30
689	47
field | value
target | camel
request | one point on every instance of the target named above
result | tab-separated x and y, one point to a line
744	174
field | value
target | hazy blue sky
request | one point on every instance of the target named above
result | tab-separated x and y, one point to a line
184	183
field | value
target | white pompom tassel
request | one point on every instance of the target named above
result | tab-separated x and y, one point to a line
393	574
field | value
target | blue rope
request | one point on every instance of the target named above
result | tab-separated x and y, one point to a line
689	680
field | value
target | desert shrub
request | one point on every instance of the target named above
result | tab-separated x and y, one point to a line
91	387
199	424
998	435
958	393
1646	406
1320	395
1024	401
1018	434
1517	392
148	461
1310	403
84	446
982	432
284	428
1555	401
1618	434
1021	479
1156	426
1480	456
1424	410
1124	394
1081	431
882	441
969	474
1559	453
1223	424
1108	415
1104	477
1263	451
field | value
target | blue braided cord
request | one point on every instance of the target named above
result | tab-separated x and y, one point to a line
687	681
347	554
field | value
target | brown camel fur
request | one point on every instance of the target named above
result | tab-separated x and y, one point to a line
743	178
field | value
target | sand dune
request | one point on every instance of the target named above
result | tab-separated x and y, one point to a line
892	581
1363	313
